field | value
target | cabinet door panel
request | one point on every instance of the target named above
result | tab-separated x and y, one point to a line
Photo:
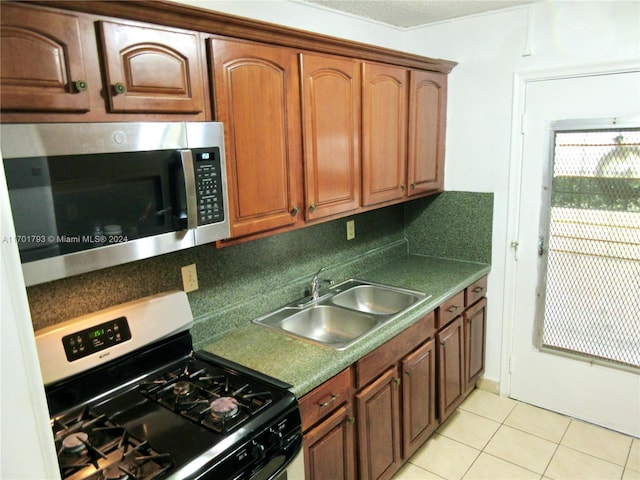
450	368
331	114
257	99
379	427
151	70
384	130
475	333
48	84
427	119
329	448
418	397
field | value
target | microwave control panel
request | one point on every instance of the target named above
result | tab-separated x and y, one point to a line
100	337
208	185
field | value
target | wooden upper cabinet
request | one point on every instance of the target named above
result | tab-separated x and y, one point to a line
384	133
257	98
331	134
151	69
43	66
427	120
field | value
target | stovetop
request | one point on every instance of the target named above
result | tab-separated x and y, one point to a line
184	418
161	411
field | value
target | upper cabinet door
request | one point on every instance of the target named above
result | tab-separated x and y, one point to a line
257	97
151	69
384	133
57	80
427	120
331	133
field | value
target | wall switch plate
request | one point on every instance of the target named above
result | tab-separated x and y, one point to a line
351	229
189	278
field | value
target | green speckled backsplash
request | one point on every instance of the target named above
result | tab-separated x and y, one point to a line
240	282
454	225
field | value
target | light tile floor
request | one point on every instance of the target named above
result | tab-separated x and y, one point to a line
495	438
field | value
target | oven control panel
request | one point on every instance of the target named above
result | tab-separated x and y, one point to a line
91	340
208	185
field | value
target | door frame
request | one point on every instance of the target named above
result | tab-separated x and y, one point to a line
521	79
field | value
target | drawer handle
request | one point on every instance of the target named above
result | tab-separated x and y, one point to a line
478	290
328	402
453	308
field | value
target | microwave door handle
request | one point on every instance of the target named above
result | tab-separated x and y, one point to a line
188	173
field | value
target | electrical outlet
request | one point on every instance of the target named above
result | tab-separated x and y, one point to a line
351	229
189	278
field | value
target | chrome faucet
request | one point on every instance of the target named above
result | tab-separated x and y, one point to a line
316	283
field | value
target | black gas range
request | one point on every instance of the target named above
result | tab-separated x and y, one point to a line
130	400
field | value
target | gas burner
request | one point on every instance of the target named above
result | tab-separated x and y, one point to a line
183	388
224	408
114	472
75	442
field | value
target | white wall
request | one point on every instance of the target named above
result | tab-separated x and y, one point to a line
26	450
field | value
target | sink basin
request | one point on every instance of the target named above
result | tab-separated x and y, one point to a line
375	299
329	324
344	315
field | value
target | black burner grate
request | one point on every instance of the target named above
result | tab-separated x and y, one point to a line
91	447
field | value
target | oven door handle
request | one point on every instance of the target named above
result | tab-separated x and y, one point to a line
188	173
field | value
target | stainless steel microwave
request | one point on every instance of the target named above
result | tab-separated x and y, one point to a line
86	196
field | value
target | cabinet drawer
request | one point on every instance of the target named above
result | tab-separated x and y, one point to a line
476	291
450	309
320	402
370	366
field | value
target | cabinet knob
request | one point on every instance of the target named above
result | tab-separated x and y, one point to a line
294	211
403	187
413	186
119	88
80	85
351	420
312	207
408	372
397	381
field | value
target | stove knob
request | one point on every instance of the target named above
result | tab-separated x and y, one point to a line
258	450
276	436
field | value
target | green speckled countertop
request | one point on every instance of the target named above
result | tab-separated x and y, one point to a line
306	365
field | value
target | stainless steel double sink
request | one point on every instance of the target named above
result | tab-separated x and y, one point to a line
345	314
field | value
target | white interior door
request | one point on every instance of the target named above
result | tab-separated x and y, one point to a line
596	393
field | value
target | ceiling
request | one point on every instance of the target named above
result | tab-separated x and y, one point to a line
413	13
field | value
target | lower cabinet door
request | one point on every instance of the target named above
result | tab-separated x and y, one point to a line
450	368
378	418
475	328
329	448
418	397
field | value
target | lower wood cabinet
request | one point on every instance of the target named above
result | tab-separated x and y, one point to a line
379	446
368	420
329	447
475	328
451	385
419	419
461	341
